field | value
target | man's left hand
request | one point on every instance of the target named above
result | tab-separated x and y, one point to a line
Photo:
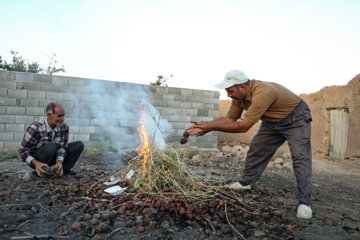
199	129
58	168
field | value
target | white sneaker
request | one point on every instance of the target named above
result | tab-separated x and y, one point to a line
238	186
304	211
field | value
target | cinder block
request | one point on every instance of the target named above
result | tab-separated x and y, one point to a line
81	121
2	146
67	105
71	97
66	89
186	91
24	77
185	105
4	101
36	94
217	95
199	93
17	93
95	137
195	99
179	125
7	119
2	109
10	127
86	129
172	104
12	145
42	78
7	84
209	93
71	137
28	103
174	90
168	97
197	105
7	75
60	80
55	96
73	113
212	139
24	119
35	111
19	136
43	103
2	127
76	81
180	98
73	129
86	114
29	85
213	100
15	110
174	118
162	90
204	118
214	113
157	103
157	96
3	92
6	136
81	137
50	87
167	111
98	122
202	113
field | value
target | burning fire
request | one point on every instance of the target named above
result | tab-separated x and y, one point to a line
144	148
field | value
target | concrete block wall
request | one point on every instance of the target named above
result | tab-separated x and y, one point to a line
99	110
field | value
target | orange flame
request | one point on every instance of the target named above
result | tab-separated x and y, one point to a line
144	148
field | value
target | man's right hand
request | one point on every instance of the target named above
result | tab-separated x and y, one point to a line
40	168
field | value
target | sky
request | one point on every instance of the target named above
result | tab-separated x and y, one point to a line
303	45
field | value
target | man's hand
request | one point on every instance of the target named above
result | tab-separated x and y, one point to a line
199	128
40	168
58	168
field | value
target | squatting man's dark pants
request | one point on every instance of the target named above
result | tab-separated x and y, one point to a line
47	154
296	130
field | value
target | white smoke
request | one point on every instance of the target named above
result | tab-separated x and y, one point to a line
114	110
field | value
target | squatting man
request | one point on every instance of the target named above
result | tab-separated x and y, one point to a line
45	144
285	117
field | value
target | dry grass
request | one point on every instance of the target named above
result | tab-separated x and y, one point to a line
166	176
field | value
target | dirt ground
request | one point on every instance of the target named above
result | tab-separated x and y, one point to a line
48	208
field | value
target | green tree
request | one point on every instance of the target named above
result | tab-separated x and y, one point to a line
161	80
20	64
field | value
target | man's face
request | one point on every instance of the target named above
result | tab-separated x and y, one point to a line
235	92
57	118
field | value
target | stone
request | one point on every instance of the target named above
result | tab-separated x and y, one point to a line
278	166
278	161
237	148
226	149
288	166
196	158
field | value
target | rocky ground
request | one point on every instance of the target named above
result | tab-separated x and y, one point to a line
63	208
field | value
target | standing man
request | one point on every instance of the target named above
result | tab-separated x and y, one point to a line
285	117
45	144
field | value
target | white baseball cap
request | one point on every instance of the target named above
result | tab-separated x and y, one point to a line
231	78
